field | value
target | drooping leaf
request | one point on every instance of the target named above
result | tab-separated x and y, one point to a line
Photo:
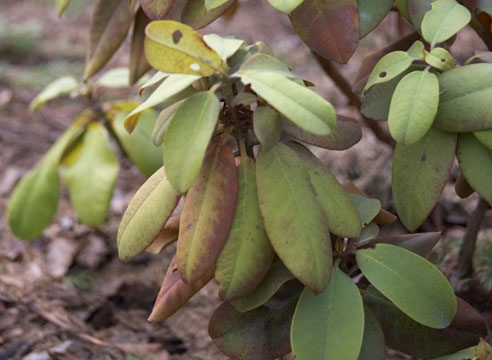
329	28
367	209
110	22
62	86
247	254
373	346
176	48
208	214
213	4
261	334
171	86
464	101
225	47
476	163
91	179
156	9
406	335
485	137
420	172
138	63
441	59
34	200
167	236
267	126
184	150
412	283
413	107
297	229
146	214
329	325
277	276
371	13
421	243
303	107
138	145
346	134
444	20
154	80
417	10
196	15
174	293
61	5
341	215
389	67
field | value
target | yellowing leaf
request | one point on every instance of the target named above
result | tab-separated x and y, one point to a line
213	4
390	66
61	5
286	6
441	59
176	48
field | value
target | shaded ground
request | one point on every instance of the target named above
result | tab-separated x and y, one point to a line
66	295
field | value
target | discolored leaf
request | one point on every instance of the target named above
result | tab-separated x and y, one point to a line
464	100
146	214
138	63
61	5
444	20
329	28
441	59
261	334
156	9
297	229
167	236
247	254
389	67
406	335
421	244
420	172
367	209
485	137
208	214
62	86
92	177
185	150
346	134
329	325
174	293
413	107
212	4
173	85
412	283
373	346
476	163
267	126
303	107
276	276
225	47
196	15
110	22
371	13
138	145
176	48
286	6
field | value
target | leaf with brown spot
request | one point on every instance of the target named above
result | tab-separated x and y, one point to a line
138	64
156	9
208	213
197	16
329	28
175	293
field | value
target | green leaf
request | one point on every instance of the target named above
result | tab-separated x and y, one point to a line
329	325
267	126
341	215
225	47
163	121
476	163
187	136
465	354
62	86
138	145
303	107
34	200
156	9
155	79
138	63
346	134
369	232
444	20
111	20
402	6
329	28
146	214
172	85
413	107
420	172
485	137
417	50
208	213
176	48
297	229
373	346
115	78
367	208
412	283
196	15
440	59
464	102
61	5
266	63
286	6
276	276
371	13
213	4
247	254
91	179
390	66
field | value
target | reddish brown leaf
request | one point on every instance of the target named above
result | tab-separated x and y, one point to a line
421	244
156	9
138	63
197	16
167	236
